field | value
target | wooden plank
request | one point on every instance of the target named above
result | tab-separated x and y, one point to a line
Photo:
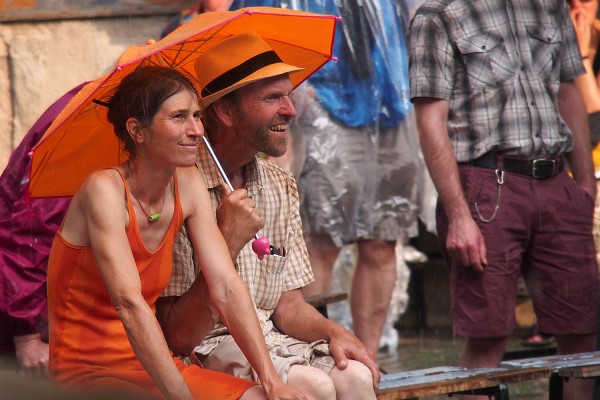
397	386
581	371
43	10
390	379
322	299
581	365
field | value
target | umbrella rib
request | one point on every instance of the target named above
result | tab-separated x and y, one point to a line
201	41
217	29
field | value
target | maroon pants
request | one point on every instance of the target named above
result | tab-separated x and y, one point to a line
543	229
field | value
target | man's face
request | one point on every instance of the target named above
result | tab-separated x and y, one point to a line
263	112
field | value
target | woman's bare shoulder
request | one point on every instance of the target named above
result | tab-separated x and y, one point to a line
102	182
192	189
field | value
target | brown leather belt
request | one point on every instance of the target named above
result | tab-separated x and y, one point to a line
538	168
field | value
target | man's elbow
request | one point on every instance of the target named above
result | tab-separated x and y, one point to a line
183	332
164	306
179	345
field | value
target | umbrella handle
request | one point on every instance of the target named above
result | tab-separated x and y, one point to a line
261	245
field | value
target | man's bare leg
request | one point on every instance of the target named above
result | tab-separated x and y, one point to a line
254	393
480	353
372	287
574	388
355	382
322	253
311	380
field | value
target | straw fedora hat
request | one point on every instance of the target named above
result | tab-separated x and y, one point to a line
236	62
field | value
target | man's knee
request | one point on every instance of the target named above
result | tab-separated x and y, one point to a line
313	380
377	251
356	378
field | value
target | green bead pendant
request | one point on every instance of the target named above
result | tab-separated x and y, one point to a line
153	217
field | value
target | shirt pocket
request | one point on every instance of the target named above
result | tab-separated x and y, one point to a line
271	282
273	264
545	42
485	59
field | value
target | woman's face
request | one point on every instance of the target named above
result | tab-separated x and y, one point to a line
175	132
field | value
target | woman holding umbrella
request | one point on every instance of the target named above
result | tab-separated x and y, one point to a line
111	258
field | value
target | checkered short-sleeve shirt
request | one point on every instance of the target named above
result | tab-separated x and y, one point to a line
275	193
499	64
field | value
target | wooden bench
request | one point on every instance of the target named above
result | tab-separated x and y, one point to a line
561	367
320	301
455	380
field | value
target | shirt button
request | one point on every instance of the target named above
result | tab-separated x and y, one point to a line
533	103
537	134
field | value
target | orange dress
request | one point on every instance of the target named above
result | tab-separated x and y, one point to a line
89	348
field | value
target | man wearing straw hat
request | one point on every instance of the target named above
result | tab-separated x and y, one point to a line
246	89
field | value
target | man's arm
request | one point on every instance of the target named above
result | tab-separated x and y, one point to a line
238	220
296	318
572	110
186	320
465	243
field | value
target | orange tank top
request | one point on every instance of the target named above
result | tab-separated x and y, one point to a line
89	348
87	338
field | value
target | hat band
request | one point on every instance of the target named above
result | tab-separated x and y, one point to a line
240	72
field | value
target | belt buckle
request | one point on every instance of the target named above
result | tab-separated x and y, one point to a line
543	168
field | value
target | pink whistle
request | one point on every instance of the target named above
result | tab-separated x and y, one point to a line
261	246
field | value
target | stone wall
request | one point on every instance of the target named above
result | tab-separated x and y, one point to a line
41	61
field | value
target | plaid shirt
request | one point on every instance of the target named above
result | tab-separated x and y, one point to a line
499	64
275	193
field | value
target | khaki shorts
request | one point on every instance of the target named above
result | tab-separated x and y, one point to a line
227	357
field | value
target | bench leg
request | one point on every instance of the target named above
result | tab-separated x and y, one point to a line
555	387
499	392
323	310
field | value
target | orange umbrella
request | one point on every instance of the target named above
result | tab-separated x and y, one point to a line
81	140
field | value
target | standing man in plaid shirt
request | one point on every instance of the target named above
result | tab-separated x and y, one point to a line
249	112
501	123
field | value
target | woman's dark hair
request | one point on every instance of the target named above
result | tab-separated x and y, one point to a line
140	95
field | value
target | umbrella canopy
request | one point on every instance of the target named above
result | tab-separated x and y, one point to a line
81	140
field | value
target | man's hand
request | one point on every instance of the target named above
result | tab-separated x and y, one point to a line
590	187
343	345
465	243
238	219
32	354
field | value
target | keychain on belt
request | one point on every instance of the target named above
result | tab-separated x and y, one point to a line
500	179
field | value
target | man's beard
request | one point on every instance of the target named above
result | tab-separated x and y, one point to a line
276	149
264	140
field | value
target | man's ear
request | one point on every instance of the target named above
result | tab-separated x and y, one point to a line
224	111
135	127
